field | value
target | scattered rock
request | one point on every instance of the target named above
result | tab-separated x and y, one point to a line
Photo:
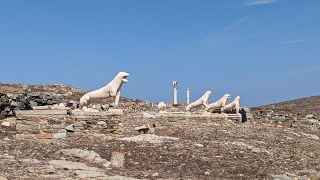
89	156
70	165
309	116
6	124
117	159
83	174
150	138
148	115
207	173
31	161
59	135
199	145
70	128
102	123
155	174
278	177
43	136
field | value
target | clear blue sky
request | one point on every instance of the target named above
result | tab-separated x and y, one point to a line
263	50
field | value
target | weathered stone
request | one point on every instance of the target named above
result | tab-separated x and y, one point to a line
309	116
41	112
70	128
59	135
44	136
102	123
117	159
147	115
54	121
33	103
6	124
22	127
155	175
90	174
89	156
70	165
31	161
278	177
199	145
41	107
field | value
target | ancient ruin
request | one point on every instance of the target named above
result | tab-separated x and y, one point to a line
235	104
175	92
201	101
110	90
218	104
49	136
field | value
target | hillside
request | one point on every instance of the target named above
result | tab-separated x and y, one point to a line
303	106
273	144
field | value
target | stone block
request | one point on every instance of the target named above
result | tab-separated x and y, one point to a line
44	136
110	112
41	107
41	112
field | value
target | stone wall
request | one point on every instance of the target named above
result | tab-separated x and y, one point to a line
286	118
56	126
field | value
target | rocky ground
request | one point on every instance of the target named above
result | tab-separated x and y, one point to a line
216	150
259	149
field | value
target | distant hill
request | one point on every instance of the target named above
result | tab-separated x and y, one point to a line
303	106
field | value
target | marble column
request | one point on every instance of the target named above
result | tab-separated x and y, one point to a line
175	92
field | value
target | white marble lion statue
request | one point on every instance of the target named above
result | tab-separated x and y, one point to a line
110	90
235	104
202	101
218	104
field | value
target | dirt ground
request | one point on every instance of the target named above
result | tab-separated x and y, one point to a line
212	150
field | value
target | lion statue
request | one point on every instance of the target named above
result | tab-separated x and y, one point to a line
219	104
202	101
235	104
110	90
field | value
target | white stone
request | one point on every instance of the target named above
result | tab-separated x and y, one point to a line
188	96
202	101
150	138
175	92
218	104
59	135
162	106
61	105
155	174
199	145
309	116
42	107
70	128
102	123
235	104
147	115
7	124
41	112
89	109
110	90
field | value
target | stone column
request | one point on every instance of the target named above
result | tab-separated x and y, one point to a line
175	92
188	96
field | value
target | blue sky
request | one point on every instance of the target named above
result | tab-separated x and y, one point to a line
263	50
